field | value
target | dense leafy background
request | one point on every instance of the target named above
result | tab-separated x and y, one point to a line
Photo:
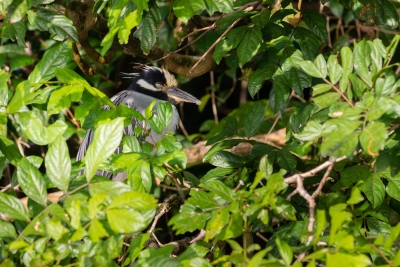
300	115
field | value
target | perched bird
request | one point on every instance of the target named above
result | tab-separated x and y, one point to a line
152	83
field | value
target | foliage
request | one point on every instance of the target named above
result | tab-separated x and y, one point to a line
330	195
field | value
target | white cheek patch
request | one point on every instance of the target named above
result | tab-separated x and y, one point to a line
146	85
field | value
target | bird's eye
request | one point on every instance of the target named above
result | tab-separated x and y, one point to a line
159	86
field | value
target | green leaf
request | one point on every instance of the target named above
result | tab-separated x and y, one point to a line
374	189
311	69
326	100
376	13
7	229
312	131
362	60
17	9
57	24
253	119
393	188
215	174
125	220
285	251
308	41
164	112
147	30
282	92
373	138
385	86
316	22
346	56
15	31
218	221
23	96
139	175
20	61
66	75
32	182
32	125
115	12
339	144
56	57
249	45
62	98
355	197
107	138
10	150
354	174
4	77
259	77
135	200
296	77
379	107
231	41
220	189
335	259
58	163
12	207
55	229
334	69
226	160
224	144
184	10
110	188
223	6
96	230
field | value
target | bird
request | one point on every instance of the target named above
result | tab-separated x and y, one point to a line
152	83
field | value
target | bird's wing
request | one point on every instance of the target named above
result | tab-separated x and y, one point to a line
123	97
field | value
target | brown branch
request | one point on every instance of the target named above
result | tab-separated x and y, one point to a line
313	172
170	175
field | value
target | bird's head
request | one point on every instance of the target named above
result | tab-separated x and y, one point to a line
160	84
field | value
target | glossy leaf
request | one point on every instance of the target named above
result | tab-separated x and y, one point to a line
62	98
316	22
12	207
346	56
231	41
57	24
373	138
220	189
374	189
107	138
218	221
33	127
58	163
23	96
15	31
56	57
184	10
147	29
259	77
308	41
17	10
249	45
223	6
362	60
296	77
32	182
254	118
335	71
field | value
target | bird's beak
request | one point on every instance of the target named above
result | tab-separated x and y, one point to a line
179	95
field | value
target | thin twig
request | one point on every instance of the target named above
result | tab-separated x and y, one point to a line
262	237
340	92
214	105
214	44
175	181
164	209
183	129
273	125
313	172
200	236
